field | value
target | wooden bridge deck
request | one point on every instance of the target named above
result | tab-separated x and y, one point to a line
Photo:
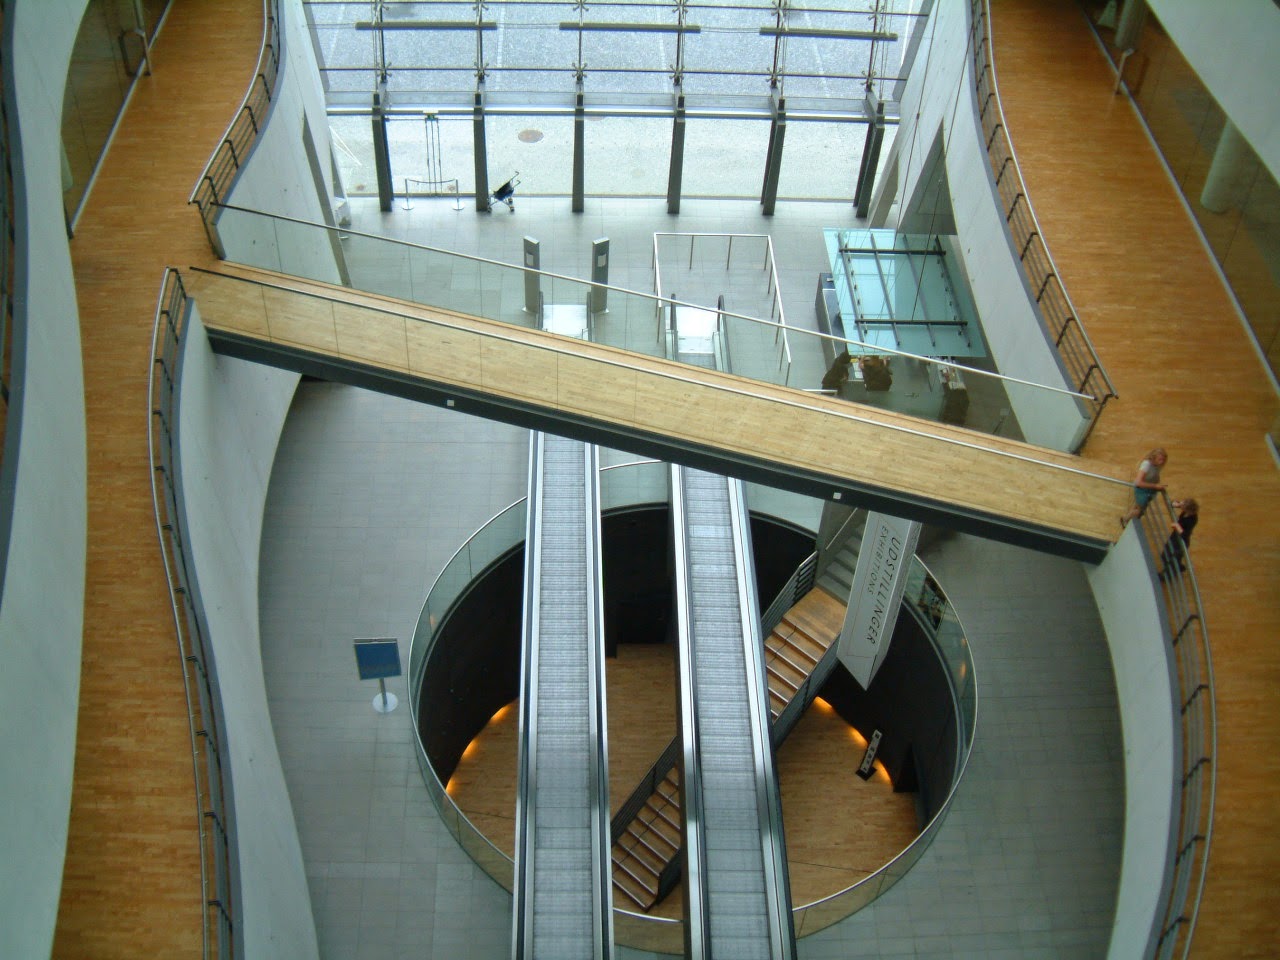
994	486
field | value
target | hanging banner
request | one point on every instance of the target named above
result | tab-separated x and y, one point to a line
888	544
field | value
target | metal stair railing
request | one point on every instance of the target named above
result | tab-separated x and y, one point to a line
1196	737
1054	305
204	700
215	180
786	721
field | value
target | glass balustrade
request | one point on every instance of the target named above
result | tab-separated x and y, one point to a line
927	601
645	482
767	350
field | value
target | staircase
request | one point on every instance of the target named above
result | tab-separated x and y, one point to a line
649	846
836	570
645	856
794	647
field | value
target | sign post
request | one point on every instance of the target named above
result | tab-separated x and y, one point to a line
533	279
377	660
600	275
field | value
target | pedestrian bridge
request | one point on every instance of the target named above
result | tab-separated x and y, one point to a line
787	438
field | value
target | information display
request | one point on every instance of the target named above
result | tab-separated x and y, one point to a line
378	659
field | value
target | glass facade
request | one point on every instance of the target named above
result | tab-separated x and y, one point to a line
1232	194
824	65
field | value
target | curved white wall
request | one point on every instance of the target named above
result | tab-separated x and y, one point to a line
42	607
230	416
1134	621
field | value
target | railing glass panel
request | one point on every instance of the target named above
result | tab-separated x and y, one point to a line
634	321
929	604
646	482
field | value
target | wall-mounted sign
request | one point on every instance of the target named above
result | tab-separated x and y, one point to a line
888	544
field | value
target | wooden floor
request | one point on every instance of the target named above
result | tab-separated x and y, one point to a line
826	851
1189	380
131	886
739	419
1127	254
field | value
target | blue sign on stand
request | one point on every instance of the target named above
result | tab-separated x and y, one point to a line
377	660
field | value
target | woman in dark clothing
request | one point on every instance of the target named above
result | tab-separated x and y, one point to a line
1179	541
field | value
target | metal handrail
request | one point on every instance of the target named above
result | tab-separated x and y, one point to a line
647	786
697	925
457	197
231	152
1196	735
204	705
797	403
770	264
1054	305
798	584
659	302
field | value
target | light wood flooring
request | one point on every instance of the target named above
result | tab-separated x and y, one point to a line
1188	379
1128	256
839	828
734	417
131	884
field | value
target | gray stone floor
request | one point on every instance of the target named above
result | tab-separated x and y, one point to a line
369	498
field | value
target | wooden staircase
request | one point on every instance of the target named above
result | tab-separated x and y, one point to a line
795	645
649	844
644	853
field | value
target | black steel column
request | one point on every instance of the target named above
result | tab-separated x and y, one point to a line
579	150
773	157
382	156
676	174
870	163
479	151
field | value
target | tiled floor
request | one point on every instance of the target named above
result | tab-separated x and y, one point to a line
714	249
371	495
369	499
565	247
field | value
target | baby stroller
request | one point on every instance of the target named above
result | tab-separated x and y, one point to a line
506	192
